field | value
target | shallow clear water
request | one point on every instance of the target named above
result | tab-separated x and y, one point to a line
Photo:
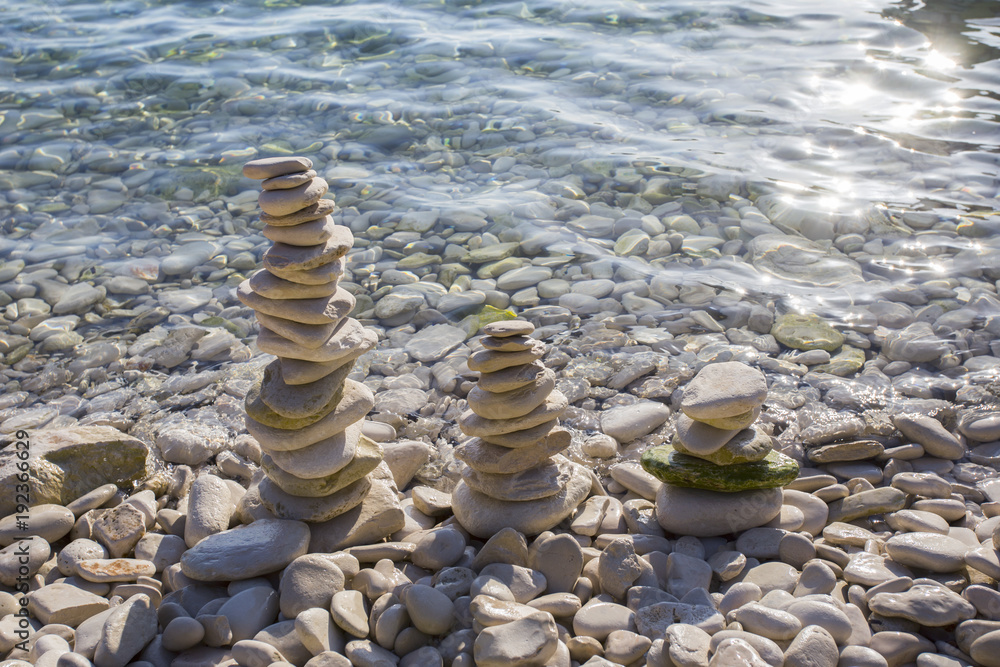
864	132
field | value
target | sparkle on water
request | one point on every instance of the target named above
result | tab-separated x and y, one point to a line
837	121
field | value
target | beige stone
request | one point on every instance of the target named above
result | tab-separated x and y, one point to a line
271	167
520	439
307	234
261	412
378	516
700	439
368	454
286	202
506	328
541	482
736	422
746	446
488	361
305	311
474	425
514	403
286	506
321	275
488	458
483	516
285	257
266	284
323	458
299	400
507	344
320	209
288	181
353	406
348	337
309	336
512	378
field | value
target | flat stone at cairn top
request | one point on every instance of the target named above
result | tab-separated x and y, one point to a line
508	328
724	390
269	167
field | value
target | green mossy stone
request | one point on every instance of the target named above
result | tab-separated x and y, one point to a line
847	362
806	332
491	253
487	315
672	467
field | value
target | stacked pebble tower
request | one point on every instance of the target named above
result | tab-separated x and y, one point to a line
718	461
514	475
306	414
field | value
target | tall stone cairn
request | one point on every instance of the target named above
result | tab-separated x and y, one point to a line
515	477
306	414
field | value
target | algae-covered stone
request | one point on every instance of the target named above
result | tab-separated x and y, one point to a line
487	315
747	446
66	463
846	362
806	332
669	466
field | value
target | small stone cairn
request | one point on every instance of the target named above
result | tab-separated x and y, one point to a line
306	414
721	474
515	477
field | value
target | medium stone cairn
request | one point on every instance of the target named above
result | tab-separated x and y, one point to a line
306	414
721	474
515	477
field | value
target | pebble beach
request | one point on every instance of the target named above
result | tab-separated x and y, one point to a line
679	352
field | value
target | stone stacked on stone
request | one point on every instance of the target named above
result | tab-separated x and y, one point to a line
514	475
720	473
306	414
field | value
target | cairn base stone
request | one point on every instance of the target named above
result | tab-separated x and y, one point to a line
378	516
484	516
703	513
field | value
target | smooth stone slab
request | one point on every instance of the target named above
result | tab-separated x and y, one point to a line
484	516
736	422
926	604
857	450
64	604
282	257
266	284
628	422
488	361
667	465
347	338
128	629
286	202
271	167
747	446
512	378
931	434
867	503
724	390
309	336
378	516
288	180
320	275
309	233
295	372
320	209
701	513
263	547
806	332
528	642
507	344
519	439
286	506
514	403
367	456
541	482
700	439
508	328
356	402
494	459
474	425
305	311
323	458
274	398
928	551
